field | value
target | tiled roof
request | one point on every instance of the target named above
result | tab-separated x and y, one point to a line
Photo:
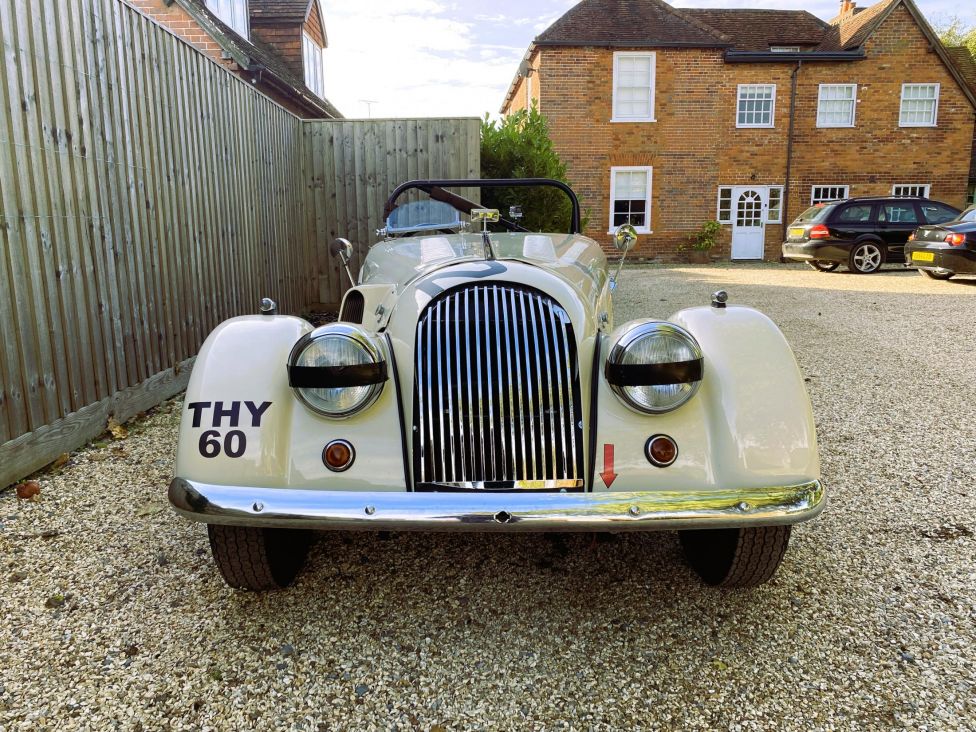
965	63
757	30
634	23
283	9
853	29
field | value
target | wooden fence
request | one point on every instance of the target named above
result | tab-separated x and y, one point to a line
353	166
147	194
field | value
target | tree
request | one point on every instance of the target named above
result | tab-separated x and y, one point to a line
520	147
954	31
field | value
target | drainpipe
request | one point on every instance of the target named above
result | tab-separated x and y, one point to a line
789	146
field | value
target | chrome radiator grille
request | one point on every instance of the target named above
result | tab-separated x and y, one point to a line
497	397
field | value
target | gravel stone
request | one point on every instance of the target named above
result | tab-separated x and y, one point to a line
446	632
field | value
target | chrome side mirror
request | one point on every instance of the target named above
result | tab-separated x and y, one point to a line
625	238
342	248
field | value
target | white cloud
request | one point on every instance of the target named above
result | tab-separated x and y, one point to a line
412	58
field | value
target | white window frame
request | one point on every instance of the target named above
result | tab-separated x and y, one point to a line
718	205
226	10
820	101
312	65
813	193
925	187
614	116
935	108
772	109
784	49
649	171
769	205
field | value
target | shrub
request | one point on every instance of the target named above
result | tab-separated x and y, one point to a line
705	238
519	146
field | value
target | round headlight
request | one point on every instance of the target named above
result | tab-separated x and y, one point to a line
337	370
654	367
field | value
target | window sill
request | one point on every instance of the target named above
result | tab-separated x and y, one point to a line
636	228
755	127
835	127
637	120
927	125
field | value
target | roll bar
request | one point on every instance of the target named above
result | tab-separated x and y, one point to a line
435	189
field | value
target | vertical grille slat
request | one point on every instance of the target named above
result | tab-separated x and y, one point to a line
497	393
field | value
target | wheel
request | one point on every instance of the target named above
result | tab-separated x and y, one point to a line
253	558
736	557
823	266
866	258
937	275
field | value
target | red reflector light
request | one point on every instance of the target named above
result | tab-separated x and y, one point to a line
661	450
819	232
957	240
338	455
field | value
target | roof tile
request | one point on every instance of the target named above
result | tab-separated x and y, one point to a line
634	23
757	30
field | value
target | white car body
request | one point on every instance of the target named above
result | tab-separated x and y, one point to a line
476	382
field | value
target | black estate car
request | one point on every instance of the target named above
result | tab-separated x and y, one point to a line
943	250
862	233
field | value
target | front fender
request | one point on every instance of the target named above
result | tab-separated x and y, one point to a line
243	425
750	425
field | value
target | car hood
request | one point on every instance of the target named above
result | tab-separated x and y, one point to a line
575	259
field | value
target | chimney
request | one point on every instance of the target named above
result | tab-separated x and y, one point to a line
846	6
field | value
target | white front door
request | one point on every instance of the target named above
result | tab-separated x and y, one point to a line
748	222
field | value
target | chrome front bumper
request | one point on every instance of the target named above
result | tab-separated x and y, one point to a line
524	511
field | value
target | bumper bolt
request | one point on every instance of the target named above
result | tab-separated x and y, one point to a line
370	510
635	510
258	507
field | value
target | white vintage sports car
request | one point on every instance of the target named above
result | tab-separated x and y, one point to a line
475	382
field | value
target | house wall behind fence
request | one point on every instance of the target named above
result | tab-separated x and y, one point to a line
147	194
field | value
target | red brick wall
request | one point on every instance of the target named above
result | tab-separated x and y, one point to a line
177	20
694	146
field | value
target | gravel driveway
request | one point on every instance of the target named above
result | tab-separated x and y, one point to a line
113	616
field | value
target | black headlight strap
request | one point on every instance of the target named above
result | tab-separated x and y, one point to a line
336	377
654	374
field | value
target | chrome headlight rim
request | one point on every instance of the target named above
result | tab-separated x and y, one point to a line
359	337
640	330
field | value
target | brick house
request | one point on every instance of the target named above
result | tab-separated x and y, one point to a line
671	118
276	45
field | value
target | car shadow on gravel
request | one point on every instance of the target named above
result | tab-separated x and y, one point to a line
407	580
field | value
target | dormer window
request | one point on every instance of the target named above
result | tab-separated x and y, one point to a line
312	58
784	49
233	13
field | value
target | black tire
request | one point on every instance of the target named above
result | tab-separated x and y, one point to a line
823	266
866	257
736	557
253	558
937	275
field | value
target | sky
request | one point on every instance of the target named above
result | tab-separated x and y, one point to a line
456	58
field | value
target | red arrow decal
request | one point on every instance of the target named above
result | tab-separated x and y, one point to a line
608	475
